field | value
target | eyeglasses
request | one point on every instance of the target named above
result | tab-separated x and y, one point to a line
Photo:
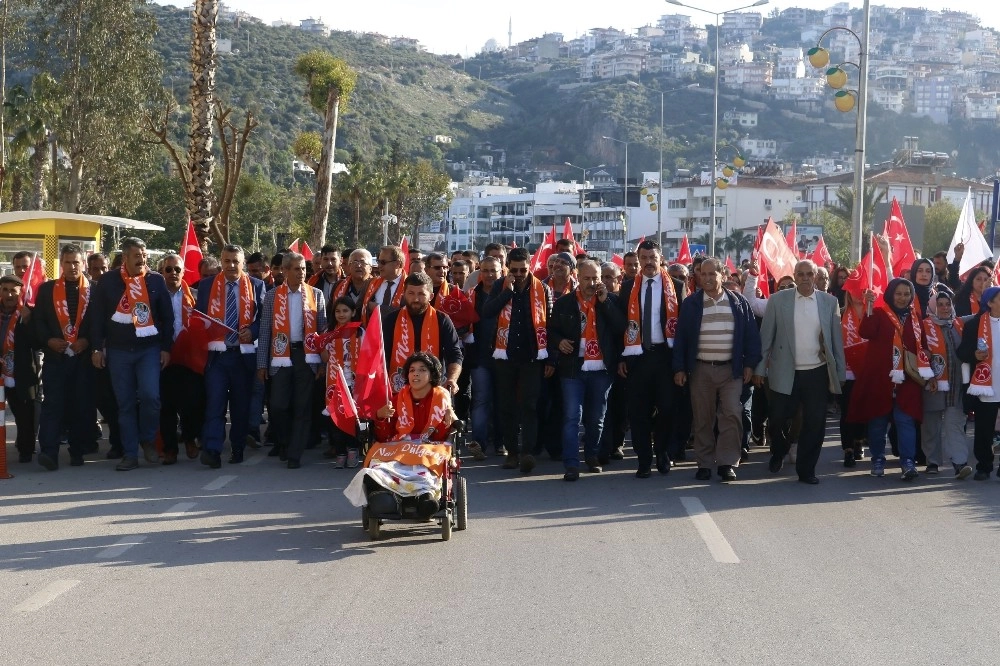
173	269
438	268
386	262
359	262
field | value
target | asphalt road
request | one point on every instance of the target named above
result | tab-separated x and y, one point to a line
258	564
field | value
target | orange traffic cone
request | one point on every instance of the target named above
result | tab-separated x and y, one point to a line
4	474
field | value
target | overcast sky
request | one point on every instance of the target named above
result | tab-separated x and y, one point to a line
448	26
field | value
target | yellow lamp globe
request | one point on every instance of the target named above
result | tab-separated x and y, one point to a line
836	77
652	206
738	162
721	183
818	57
844	101
727	171
644	191
649	197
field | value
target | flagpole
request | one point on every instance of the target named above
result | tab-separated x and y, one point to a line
871	270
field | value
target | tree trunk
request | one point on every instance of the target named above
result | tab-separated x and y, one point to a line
356	240
38	160
3	98
324	175
201	162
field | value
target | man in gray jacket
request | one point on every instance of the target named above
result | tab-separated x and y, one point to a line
803	353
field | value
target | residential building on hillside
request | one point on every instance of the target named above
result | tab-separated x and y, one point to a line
741	118
981	106
736	52
758	148
316	26
754	77
932	97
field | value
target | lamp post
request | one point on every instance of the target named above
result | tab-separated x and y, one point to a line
624	192
845	101
584	170
715	115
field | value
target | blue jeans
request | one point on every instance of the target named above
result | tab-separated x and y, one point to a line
135	378
906	433
484	408
585	399
229	378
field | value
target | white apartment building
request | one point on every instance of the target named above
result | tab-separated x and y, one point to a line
758	148
315	26
981	106
753	77
791	64
741	118
613	64
733	53
800	90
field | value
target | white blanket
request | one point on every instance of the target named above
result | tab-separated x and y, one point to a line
404	480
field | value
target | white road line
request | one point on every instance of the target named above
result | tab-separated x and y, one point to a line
256	459
178	509
709	531
219	482
45	595
120	547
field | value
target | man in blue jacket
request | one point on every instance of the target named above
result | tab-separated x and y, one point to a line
716	350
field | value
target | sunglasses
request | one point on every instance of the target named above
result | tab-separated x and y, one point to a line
173	269
385	262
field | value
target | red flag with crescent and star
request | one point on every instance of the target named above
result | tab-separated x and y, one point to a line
191	255
775	253
870	273
821	255
539	263
684	253
404	245
340	403
903	255
371	380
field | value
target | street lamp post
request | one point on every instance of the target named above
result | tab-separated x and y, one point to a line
715	115
584	170
624	192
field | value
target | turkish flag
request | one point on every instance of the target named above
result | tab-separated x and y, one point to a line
294	247
730	266
307	252
190	349
821	255
775	251
405	247
790	239
568	233
684	254
641	240
903	255
371	380
539	263
618	260
191	255
870	273
33	279
340	404
458	306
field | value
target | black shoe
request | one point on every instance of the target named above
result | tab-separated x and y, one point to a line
293	463
849	459
76	461
571	474
282	455
115	454
775	464
24	457
51	464
727	473
236	457
980	476
703	474
211	458
663	463
127	464
90	448
811	480
274	452
594	465
643	472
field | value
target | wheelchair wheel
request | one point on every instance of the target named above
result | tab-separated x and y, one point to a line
374	528
461	505
364	518
446	525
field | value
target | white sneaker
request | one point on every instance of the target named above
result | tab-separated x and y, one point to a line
352	458
340	461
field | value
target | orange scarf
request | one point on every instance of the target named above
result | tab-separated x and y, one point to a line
938	359
981	383
70	330
590	347
244	302
8	349
187	304
373	288
849	327
281	327
403	339
633	330
134	308
539	321
405	422
897	373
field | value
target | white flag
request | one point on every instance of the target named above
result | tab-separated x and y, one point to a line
977	249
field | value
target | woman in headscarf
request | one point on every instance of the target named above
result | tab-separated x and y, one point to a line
925	286
943	429
889	385
980	348
968	298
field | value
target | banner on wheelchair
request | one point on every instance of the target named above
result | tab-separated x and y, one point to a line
432	455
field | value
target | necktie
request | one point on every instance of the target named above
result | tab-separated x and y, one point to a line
232	314
647	316
387	295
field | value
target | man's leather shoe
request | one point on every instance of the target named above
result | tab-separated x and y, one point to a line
980	476
527	464
727	473
211	458
513	461
236	457
191	449
115	454
594	465
76	461
274	452
663	463
24	457
127	464
811	480
617	454
293	463
169	458
775	464
703	474
51	464
643	472
571	474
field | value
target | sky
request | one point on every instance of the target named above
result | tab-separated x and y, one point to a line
447	26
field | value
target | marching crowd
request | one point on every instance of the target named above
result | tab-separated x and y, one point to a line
697	362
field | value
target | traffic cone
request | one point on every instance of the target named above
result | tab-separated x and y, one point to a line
4	474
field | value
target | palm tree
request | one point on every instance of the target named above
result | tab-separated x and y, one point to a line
200	158
738	242
844	208
31	114
355	186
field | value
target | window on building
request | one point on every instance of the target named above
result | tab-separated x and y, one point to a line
918	195
767	202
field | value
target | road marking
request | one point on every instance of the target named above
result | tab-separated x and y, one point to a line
256	459
45	595
219	482
120	547
178	509
709	531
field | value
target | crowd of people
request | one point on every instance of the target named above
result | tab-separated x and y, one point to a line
695	361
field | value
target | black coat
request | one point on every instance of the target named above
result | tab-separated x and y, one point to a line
564	324
27	371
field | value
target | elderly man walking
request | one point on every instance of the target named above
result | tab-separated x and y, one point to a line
803	358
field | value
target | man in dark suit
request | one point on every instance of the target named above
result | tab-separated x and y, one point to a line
132	333
651	304
235	298
20	365
66	376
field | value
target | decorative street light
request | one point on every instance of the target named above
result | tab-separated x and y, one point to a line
584	170
715	115
624	192
845	101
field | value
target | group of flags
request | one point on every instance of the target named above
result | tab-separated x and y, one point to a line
539	262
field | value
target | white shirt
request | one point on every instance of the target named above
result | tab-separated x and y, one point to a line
295	315
807	332
177	301
380	294
640	283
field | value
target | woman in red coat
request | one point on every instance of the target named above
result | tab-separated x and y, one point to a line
885	390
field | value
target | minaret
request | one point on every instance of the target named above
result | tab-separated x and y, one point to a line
510	32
